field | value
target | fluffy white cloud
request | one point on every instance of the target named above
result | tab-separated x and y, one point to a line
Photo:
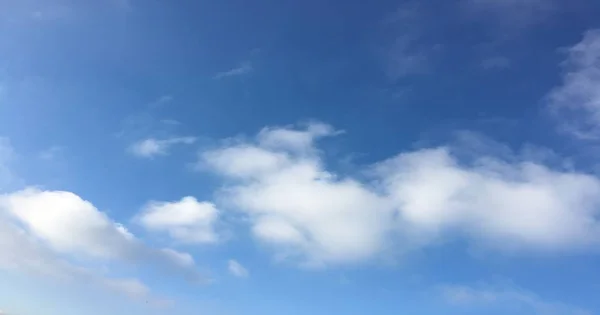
151	147
70	225
297	206
186	220
57	216
306	212
576	103
236	269
508	298
21	252
522	204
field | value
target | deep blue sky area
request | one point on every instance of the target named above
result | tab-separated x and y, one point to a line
299	157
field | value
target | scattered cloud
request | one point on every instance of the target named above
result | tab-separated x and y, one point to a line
151	147
69	225
236	269
187	220
245	68
507	298
309	214
576	103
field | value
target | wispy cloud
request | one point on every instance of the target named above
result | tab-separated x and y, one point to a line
151	147
161	101
404	51
310	214
245	68
511	15
51	153
576	103
507	298
236	269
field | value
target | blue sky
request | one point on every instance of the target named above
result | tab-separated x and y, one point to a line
299	157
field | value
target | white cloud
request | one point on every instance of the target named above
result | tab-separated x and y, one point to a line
507	298
294	140
22	252
186	220
236	269
307	213
57	216
576	103
520	204
151	147
244	68
296	206
70	225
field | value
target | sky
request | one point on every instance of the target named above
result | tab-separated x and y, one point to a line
299	157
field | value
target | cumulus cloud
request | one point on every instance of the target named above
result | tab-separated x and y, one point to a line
236	269
186	220
522	204
576	103
70	225
308	213
149	148
22	252
506	298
